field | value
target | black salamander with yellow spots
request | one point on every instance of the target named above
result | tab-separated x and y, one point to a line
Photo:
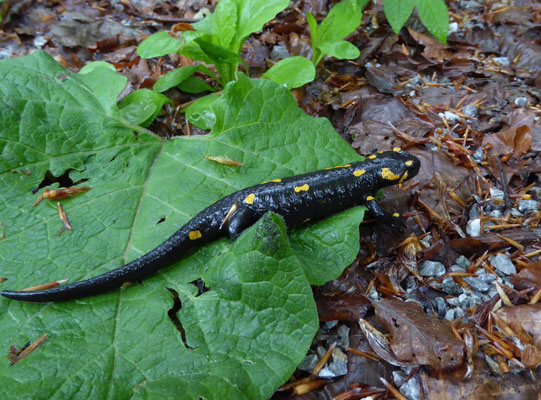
307	197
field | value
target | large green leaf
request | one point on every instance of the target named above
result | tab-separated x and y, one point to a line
122	344
398	12
434	16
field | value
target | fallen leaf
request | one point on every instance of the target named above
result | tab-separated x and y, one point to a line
528	316
416	336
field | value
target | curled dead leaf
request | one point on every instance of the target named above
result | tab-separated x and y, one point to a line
419	337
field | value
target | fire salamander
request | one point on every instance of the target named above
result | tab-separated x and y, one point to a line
308	197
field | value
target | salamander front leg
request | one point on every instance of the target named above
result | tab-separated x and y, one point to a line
394	220
239	221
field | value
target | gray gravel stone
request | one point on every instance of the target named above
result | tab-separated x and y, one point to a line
478	283
473	227
411	389
521	101
503	264
504	61
462	262
496	193
279	52
478	155
338	366
470	111
431	268
528	205
449	286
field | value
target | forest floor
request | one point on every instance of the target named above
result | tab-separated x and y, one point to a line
469	110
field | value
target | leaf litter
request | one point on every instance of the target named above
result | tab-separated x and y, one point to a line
467	281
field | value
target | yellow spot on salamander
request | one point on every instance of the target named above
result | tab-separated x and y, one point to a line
359	172
194	235
304	187
306	220
250	199
340	166
368	198
274	180
396	215
404	177
409	163
372	156
386	173
397	149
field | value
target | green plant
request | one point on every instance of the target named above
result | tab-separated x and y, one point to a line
217	40
328	38
433	15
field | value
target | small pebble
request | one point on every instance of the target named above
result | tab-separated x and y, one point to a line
309	362
496	193
450	315
470	111
477	283
474	212
449	116
449	286
504	61
453	27
411	389
431	268
478	155
279	52
474	227
399	378
521	101
516	213
496	213
463	262
457	268
528	205
503	264
338	366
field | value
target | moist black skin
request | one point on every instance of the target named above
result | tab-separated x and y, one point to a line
308	197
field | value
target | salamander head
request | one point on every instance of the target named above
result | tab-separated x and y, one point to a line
395	166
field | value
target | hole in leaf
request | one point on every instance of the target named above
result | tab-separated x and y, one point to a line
63	180
162	219
172	314
201	287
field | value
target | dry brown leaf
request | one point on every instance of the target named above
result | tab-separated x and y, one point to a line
529	277
528	316
510	141
450	385
416	336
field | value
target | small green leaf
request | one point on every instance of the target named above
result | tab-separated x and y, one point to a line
292	72
160	44
342	20
193	84
312	23
142	106
340	49
218	54
434	16
96	64
105	82
398	12
200	112
253	14
174	78
205	26
225	22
